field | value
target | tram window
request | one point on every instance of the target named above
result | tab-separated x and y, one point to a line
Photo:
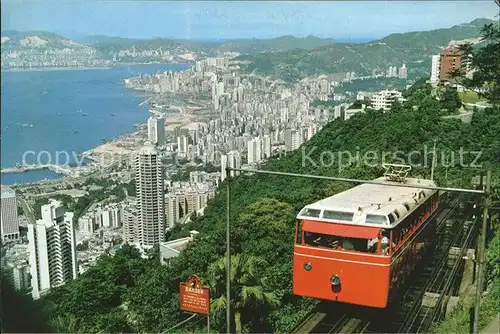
391	218
338	215
335	242
299	232
396	235
407	206
376	219
310	212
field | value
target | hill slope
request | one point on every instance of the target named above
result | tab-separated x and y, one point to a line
263	210
413	48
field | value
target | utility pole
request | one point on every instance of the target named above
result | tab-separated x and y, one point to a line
481	247
434	159
228	252
498	4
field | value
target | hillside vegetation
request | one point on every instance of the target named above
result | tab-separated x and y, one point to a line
127	293
413	48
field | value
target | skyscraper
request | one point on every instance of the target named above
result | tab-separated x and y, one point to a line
10	219
297	139
149	179
266	146
254	151
52	248
182	144
403	72
233	160
130	223
435	66
287	134
156	130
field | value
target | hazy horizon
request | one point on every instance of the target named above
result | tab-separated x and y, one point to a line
218	21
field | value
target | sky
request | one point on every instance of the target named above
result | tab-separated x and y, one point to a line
212	20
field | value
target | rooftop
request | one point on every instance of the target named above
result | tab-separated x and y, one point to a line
355	204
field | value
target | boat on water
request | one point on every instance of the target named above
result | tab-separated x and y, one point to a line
113	114
84	114
26	125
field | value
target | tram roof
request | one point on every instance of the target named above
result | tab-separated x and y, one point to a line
370	204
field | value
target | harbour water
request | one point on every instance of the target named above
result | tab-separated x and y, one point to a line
66	111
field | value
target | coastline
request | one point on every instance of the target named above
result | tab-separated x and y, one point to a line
83	68
122	145
49	69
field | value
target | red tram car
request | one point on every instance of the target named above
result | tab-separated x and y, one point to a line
360	245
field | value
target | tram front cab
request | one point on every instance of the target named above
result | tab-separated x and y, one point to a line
341	262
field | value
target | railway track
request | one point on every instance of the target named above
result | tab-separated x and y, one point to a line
330	317
437	277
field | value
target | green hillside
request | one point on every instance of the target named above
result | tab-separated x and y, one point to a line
254	46
413	48
126	293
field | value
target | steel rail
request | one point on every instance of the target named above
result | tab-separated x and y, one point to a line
343	179
443	260
445	291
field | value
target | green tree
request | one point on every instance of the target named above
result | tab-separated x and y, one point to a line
485	65
247	291
450	100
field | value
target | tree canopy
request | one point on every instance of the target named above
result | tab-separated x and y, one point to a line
485	65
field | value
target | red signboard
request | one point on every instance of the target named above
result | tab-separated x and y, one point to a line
194	297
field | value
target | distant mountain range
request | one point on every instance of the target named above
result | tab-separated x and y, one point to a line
285	57
412	48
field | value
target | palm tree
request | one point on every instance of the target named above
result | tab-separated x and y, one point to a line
246	287
64	324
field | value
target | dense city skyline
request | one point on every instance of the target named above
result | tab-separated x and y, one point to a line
209	20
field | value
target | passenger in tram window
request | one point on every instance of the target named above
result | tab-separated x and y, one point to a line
385	242
318	241
333	242
372	245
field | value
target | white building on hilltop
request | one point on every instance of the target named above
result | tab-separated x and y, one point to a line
52	248
435	69
10	219
384	99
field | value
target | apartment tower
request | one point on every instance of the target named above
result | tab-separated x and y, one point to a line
10	219
149	179
52	247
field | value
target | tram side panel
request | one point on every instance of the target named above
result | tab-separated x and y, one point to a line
339	276
417	245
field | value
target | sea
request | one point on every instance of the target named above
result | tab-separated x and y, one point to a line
45	112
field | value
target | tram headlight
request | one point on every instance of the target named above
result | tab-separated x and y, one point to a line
335	280
308	266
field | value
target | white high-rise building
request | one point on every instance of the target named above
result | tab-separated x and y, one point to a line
130	223
149	179
233	160
435	67
266	146
297	139
10	219
182	144
254	151
52	248
156	130
403	72
223	166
